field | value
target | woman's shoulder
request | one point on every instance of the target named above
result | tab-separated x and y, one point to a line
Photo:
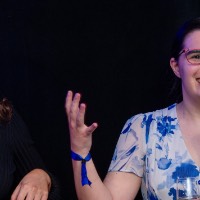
155	114
166	111
159	111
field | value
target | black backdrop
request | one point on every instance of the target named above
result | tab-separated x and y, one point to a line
116	53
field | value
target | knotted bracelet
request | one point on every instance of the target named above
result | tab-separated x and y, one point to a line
84	178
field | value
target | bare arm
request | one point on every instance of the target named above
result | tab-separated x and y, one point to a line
122	185
116	186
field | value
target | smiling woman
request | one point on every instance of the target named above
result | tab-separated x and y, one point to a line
154	148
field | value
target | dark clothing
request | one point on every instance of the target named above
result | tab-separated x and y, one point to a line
18	156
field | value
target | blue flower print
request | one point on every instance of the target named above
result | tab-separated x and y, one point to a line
151	146
185	170
164	125
128	153
115	155
127	128
172	106
158	146
149	152
147	121
164	163
172	192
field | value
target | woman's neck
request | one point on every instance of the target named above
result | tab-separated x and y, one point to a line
189	110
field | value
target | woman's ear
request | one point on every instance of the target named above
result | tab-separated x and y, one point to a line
175	67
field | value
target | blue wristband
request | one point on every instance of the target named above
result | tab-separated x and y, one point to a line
84	178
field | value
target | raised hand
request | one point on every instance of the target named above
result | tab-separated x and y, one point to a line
80	133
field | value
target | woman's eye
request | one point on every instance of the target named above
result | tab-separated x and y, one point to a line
194	56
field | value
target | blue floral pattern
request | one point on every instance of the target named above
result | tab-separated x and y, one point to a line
151	146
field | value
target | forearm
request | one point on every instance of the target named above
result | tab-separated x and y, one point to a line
96	190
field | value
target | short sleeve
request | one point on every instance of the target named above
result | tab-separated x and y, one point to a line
129	155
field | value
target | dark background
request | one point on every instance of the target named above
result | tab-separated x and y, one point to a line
116	53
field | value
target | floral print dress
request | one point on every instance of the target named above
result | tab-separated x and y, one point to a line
151	146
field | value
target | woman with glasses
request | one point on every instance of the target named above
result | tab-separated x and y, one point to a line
155	148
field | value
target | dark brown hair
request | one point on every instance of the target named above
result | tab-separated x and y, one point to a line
188	27
6	111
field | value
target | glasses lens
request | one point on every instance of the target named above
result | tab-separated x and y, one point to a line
193	56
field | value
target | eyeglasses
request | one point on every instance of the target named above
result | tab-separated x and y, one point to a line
192	56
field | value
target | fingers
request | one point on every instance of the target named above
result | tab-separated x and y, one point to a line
37	196
34	195
81	115
76	113
44	197
72	104
29	193
74	110
81	118
20	193
92	128
15	193
33	186
68	102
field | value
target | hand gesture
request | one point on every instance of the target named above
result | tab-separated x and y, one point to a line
80	134
34	186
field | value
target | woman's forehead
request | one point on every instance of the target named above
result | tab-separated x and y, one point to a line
192	40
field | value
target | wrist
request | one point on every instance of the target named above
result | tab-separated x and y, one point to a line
45	175
84	160
81	151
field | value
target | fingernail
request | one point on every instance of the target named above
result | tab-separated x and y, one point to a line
69	92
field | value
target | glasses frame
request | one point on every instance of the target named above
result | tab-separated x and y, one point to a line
186	50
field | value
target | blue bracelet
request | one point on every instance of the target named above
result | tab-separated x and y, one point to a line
84	178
